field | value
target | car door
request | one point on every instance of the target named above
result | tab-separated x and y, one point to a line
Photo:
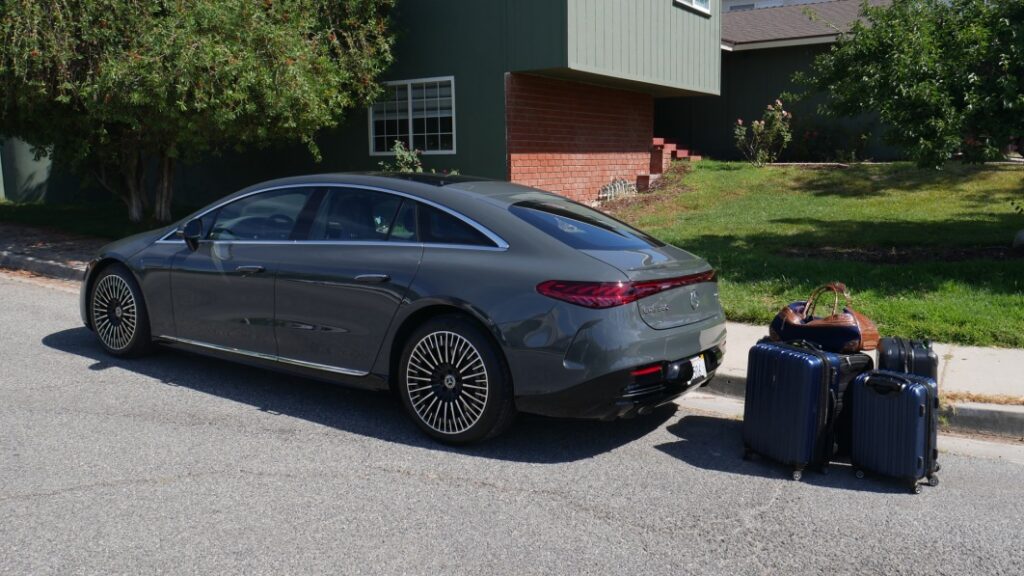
223	292
337	293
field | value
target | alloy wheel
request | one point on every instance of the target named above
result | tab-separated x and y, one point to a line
114	312
447	382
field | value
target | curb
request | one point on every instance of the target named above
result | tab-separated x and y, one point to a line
1006	421
39	266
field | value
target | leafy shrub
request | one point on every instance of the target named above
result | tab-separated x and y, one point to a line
405	160
763	141
408	161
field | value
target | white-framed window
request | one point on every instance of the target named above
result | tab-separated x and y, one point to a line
420	113
703	6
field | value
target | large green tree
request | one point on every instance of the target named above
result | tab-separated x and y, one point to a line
945	76
117	88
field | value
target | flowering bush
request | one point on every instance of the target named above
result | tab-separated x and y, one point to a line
763	141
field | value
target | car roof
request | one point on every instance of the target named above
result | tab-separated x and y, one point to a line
428	186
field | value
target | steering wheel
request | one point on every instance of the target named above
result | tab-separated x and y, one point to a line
280	224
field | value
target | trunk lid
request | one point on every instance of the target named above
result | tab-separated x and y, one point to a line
676	306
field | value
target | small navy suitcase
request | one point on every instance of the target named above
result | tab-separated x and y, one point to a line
895	425
795	391
910	356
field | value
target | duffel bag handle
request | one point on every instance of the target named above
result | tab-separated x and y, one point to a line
804	344
837	288
888	385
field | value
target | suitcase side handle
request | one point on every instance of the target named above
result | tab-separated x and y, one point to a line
888	385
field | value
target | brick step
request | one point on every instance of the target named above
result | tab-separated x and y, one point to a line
680	153
692	158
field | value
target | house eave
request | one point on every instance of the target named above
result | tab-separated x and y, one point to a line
784	43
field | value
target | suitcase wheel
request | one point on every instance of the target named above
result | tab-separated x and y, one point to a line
915	488
938	466
797	475
933	480
859	473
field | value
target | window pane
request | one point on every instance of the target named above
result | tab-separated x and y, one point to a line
354	215
266	216
581	227
432	115
437	227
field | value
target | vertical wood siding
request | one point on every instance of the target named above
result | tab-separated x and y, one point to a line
653	41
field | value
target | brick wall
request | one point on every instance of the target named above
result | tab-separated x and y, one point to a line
573	138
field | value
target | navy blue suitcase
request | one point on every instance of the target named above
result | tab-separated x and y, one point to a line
795	392
910	356
895	425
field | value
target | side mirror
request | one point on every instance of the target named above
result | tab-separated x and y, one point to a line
192	233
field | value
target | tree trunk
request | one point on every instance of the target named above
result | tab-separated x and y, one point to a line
134	181
164	190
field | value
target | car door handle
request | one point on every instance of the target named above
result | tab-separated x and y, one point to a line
373	278
249	270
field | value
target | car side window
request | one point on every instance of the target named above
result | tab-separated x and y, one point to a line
264	216
439	227
404	228
354	214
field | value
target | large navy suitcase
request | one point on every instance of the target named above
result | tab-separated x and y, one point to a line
910	356
895	424
795	392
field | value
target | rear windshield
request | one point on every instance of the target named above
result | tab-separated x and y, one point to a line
581	227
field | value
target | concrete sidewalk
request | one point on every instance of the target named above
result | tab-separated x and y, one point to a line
964	371
46	252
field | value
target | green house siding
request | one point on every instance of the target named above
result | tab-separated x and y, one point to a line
659	43
652	46
752	79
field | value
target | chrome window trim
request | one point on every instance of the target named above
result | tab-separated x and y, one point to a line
264	356
499	242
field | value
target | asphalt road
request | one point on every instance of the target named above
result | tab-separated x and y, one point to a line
180	464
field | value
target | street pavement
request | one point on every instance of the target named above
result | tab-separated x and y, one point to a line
178	464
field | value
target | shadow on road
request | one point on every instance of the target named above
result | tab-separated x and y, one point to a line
717	444
532	439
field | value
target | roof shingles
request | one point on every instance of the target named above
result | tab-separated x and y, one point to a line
790	22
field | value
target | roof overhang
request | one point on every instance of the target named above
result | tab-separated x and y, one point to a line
782	43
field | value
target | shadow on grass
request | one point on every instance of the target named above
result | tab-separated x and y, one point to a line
862	181
716	444
532	439
759	258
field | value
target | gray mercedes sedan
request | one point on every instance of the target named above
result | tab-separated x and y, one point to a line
470	299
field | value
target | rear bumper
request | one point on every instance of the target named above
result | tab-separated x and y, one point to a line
620	394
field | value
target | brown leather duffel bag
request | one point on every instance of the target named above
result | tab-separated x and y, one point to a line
845	331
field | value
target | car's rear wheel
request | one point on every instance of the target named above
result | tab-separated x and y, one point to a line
118	313
453	382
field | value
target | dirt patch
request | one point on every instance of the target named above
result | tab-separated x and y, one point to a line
948	397
909	255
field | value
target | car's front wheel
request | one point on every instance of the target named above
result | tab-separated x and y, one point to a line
118	313
453	382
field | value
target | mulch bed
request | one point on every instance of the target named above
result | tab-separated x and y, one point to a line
909	255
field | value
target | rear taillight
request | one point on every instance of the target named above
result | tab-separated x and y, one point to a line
611	294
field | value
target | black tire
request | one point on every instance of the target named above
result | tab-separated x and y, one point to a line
454	383
117	313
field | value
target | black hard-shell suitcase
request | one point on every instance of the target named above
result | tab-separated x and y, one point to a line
910	356
794	394
895	425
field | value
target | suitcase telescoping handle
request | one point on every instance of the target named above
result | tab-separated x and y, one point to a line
886	385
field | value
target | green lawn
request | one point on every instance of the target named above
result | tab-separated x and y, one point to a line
925	252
